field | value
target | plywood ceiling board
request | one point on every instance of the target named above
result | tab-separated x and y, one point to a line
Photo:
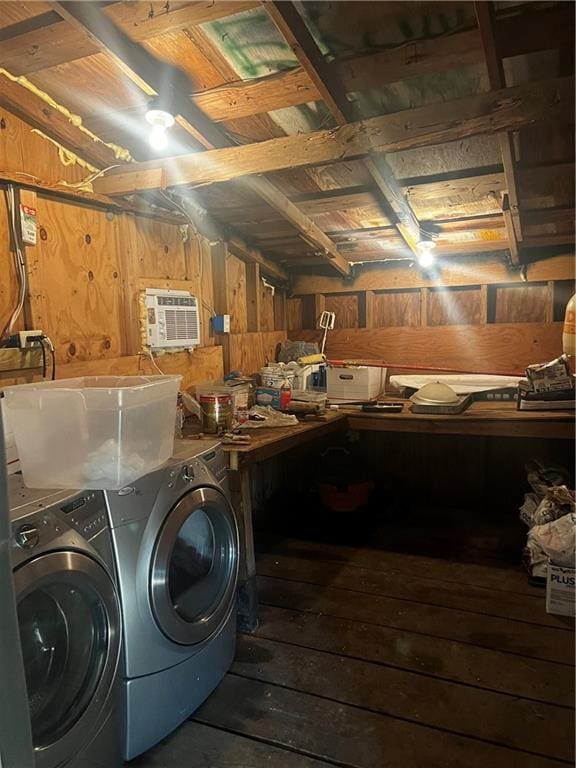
92	84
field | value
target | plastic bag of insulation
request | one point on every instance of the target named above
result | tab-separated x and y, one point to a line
558	501
555	541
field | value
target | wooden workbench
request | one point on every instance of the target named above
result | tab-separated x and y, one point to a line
483	418
265	443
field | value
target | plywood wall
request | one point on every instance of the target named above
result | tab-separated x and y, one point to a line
91	264
473	316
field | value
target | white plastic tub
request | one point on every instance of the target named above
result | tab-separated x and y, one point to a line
100	432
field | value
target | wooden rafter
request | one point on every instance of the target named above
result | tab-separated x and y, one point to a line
486	113
511	206
389	195
153	78
47	40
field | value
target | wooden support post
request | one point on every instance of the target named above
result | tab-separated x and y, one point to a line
549	316
280	311
219	256
366	309
483	304
253	293
319	307
242	504
424	307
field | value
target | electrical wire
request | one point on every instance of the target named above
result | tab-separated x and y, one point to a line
148	353
19	262
199	274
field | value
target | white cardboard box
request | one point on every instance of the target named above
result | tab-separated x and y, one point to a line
355	382
561	590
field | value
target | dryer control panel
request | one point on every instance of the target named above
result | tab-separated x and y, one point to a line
86	513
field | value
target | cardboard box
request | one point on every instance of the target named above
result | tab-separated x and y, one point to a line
561	590
355	382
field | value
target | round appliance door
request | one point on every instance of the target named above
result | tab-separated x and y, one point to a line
195	567
69	622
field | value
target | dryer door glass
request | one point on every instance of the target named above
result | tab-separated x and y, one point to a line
194	568
66	616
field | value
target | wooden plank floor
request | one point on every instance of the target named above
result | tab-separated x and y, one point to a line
368	658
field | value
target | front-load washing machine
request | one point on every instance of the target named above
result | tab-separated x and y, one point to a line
176	544
70	625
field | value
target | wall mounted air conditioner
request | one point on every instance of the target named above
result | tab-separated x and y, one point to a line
172	319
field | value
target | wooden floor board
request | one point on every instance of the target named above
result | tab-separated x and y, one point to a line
494	717
490	577
445	659
346	735
393	583
484	631
195	745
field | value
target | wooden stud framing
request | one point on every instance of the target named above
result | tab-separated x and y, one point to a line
253	296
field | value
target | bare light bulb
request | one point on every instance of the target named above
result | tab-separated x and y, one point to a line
158	138
426	259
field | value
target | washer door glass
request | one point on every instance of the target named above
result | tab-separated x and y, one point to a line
66	611
195	566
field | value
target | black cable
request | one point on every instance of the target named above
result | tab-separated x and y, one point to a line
53	363
43	359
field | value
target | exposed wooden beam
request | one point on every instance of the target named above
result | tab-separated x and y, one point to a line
35	111
388	193
153	78
485	113
490	270
486	24
52	41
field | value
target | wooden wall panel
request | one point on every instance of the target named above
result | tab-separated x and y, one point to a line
236	273
249	351
522	304
266	308
203	364
458	306
294	314
159	248
505	349
346	309
78	268
396	308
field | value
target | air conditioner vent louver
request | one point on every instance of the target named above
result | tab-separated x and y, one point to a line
173	319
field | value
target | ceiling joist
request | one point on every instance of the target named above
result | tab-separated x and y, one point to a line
154	78
389	195
486	113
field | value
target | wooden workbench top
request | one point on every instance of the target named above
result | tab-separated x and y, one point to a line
269	441
499	419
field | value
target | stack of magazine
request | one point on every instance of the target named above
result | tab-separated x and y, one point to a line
547	387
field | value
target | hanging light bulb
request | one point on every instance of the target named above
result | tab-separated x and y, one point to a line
161	120
426	259
158	139
425	248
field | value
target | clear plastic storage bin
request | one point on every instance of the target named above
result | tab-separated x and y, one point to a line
100	432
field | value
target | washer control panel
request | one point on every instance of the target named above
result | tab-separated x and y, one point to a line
86	513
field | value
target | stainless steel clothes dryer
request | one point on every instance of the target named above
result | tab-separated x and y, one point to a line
70	625
176	546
